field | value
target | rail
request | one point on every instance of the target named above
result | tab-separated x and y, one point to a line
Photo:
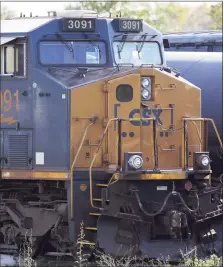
120	120
205	120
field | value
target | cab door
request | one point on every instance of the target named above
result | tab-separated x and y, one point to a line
124	98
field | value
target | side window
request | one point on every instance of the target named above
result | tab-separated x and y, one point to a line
13	60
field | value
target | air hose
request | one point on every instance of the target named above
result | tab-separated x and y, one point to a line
175	193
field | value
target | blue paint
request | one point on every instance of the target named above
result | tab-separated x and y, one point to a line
131	134
124	134
146	113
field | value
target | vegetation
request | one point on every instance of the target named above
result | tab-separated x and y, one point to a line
102	259
166	17
6	13
26	251
216	15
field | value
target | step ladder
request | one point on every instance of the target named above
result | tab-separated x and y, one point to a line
96	214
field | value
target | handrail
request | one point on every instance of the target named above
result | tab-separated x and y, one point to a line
73	165
186	135
100	144
213	124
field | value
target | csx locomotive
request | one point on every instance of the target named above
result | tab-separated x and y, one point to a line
96	129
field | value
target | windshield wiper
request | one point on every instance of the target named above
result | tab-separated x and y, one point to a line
139	47
67	45
94	45
121	46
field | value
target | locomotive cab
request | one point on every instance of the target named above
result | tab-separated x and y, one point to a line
100	131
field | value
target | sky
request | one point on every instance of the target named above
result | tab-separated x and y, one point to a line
41	8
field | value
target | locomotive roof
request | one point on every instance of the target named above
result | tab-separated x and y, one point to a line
25	25
194	36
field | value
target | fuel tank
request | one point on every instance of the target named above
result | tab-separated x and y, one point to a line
205	71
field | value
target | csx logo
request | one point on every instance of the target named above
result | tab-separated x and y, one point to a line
145	113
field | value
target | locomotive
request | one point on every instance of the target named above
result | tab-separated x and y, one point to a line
190	66
197	41
96	129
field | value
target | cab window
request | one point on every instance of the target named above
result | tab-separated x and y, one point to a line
13	60
72	52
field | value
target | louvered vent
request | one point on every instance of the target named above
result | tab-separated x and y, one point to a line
18	156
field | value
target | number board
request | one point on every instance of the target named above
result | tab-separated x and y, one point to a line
130	25
79	25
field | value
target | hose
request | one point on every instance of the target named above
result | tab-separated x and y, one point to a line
175	193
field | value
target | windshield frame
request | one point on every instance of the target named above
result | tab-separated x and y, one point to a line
75	64
137	41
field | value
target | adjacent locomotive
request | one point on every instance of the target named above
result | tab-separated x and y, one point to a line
197	41
96	129
205	71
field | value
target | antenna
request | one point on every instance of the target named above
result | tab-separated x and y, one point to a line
31	14
21	14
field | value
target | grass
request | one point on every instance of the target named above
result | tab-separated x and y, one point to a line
26	251
102	259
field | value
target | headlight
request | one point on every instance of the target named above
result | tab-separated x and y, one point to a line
135	162
146	82
146	94
201	163
146	89
205	161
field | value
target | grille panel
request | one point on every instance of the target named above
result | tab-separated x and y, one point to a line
18	151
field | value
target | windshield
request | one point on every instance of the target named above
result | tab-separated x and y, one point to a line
72	52
137	53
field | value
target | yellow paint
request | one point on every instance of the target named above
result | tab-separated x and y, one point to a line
7	99
83	187
9	120
98	99
17	174
163	176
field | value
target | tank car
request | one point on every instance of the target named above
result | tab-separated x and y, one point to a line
205	71
197	41
95	129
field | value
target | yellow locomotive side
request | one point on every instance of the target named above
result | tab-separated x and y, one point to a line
173	98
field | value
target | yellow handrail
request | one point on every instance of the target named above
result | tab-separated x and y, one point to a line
73	165
213	124
98	148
